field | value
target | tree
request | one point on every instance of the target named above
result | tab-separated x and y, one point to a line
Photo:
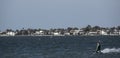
95	28
75	28
118	27
69	29
112	29
8	30
88	28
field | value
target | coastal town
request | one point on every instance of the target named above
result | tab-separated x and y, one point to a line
70	31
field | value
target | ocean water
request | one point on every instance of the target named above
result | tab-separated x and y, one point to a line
59	47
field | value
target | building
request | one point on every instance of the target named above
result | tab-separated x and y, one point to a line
10	33
76	32
56	33
66	33
92	33
102	32
81	32
39	32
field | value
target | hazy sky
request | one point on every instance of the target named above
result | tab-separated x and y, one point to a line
16	14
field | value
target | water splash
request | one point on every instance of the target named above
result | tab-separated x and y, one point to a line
111	50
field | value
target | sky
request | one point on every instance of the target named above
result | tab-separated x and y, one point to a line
18	14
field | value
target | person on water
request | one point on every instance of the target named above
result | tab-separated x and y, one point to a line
98	48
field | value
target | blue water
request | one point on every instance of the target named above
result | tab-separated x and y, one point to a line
57	46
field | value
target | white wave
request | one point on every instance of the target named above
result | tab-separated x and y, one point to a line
111	50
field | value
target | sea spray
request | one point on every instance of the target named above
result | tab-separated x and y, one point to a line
111	50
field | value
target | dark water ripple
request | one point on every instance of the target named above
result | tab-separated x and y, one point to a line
57	47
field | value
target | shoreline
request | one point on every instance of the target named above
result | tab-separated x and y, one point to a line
54	35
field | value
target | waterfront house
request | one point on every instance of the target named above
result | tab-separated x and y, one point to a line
71	32
10	33
81	32
119	32
66	33
39	32
116	32
56	33
92	33
103	32
76	32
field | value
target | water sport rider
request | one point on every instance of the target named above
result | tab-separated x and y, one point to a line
98	48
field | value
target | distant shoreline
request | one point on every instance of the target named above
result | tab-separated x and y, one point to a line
55	36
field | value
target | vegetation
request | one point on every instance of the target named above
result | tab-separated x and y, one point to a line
62	31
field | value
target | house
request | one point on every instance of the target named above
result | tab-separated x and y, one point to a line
10	33
116	32
76	32
92	33
81	32
39	32
119	32
66	33
102	32
56	33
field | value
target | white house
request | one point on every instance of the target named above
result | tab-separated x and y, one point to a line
76	32
102	32
10	33
119	32
93	33
116	32
66	33
56	33
39	32
81	32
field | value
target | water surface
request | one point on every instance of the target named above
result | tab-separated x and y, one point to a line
57	46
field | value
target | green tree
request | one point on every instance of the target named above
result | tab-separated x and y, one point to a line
95	28
88	28
118	27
